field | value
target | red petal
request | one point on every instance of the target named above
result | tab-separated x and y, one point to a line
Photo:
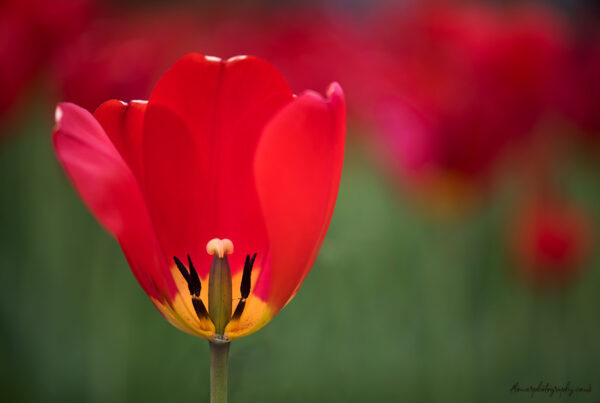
123	124
110	190
203	121
298	168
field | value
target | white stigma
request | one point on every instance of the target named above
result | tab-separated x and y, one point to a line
219	246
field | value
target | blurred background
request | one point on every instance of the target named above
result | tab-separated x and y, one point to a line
461	258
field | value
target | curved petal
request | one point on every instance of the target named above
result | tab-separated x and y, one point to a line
202	124
110	191
122	123
298	167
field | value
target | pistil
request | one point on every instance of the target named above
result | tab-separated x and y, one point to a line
219	283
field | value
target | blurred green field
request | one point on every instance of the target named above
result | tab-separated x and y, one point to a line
399	306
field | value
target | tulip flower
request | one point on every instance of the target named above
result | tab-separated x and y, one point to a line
123	56
292	37
551	239
580	99
465	84
31	32
219	189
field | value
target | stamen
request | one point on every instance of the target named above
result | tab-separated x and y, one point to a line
194	286
239	310
200	309
194	279
246	276
182	269
244	286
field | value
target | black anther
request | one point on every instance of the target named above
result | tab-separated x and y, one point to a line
245	286
199	307
247	276
191	278
194	279
194	286
182	269
239	309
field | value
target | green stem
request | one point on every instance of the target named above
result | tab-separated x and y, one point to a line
219	355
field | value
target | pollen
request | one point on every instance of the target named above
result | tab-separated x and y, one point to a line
221	247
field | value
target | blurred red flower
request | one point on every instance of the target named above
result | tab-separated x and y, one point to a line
121	56
221	149
31	31
311	46
551	239
463	84
580	99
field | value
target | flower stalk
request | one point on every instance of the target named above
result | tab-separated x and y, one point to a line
219	356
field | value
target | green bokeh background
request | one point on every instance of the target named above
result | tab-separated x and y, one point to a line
400	306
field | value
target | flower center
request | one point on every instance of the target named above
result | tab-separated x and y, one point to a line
219	285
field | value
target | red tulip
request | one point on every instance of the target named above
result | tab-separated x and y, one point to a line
310	45
551	240
464	84
580	100
18	52
222	149
122	56
31	31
